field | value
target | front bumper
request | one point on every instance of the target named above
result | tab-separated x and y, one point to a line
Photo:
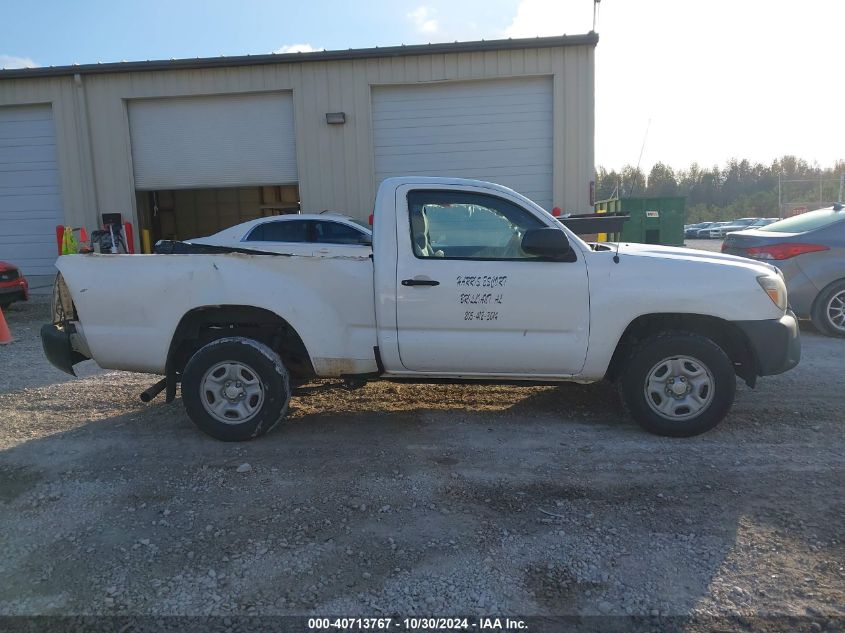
58	347
776	343
14	291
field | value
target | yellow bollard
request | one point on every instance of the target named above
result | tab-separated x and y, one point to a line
146	244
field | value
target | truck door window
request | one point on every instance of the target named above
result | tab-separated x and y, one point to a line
280	231
464	225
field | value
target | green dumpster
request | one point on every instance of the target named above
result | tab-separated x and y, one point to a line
652	221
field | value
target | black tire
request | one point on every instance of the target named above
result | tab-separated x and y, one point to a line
270	378
820	316
648	354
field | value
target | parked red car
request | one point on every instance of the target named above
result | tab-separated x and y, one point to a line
13	285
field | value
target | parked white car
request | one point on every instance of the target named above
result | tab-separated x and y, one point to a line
300	234
466	280
718	230
707	232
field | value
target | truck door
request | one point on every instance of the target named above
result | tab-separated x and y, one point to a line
471	301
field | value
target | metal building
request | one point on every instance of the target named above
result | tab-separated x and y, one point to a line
186	147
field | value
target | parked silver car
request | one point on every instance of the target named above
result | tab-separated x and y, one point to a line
810	250
723	228
747	223
691	230
711	231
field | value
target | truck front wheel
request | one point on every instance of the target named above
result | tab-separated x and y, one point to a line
678	384
235	389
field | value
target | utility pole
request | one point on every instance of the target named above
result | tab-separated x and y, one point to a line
821	189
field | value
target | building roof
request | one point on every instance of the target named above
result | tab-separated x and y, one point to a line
587	39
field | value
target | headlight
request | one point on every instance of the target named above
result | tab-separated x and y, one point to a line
775	288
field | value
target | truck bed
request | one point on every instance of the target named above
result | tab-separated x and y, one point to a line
129	306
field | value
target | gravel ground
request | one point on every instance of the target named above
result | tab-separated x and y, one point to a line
704	245
405	499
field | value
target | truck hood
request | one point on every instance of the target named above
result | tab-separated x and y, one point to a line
654	279
675	253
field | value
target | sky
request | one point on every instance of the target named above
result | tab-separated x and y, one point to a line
679	80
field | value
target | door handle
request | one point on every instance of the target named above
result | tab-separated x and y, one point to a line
420	282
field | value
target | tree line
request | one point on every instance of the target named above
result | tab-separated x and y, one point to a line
739	189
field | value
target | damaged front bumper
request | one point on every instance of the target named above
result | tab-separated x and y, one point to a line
57	340
776	343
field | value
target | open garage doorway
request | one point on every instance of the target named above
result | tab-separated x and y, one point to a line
204	163
181	214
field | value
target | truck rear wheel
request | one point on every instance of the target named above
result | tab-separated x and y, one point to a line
678	384
235	389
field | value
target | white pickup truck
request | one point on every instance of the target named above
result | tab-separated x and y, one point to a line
464	280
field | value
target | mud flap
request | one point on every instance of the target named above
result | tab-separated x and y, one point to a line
55	339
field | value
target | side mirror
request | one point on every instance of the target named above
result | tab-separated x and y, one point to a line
548	243
366	240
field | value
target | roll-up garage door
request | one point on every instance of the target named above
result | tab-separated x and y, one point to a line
497	130
213	141
30	197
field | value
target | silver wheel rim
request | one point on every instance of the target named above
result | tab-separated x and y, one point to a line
231	392
836	311
679	388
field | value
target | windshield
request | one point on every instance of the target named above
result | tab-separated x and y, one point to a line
805	222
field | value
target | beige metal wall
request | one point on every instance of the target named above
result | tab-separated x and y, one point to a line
335	161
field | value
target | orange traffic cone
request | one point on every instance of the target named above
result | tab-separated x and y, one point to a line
5	334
